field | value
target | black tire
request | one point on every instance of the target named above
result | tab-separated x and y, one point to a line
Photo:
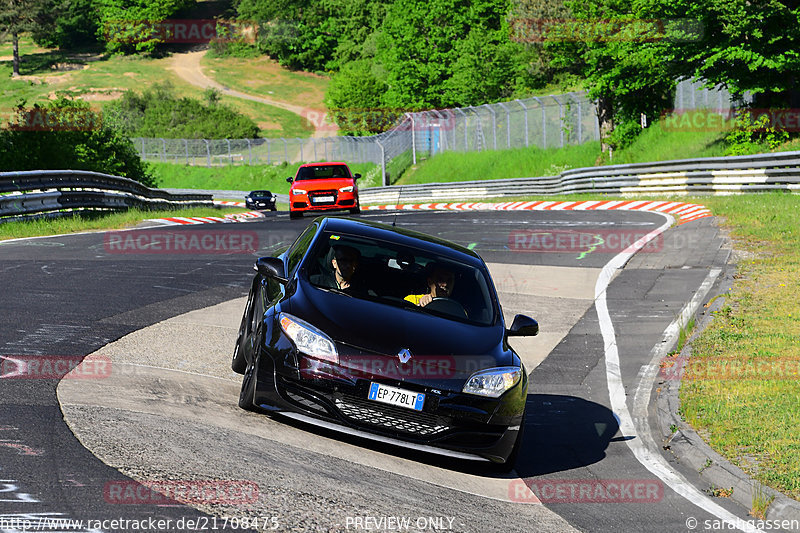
511	462
295	214
247	393
239	361
356	210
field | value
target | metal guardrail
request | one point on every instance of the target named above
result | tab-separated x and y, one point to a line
36	193
708	175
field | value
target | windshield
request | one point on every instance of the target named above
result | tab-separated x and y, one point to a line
322	172
401	276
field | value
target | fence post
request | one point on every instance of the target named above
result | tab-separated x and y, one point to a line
269	162
285	151
163	150
300	142
383	163
249	152
524	108
186	147
230	156
208	154
144	153
413	139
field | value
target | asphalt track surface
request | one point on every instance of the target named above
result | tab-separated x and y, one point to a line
70	296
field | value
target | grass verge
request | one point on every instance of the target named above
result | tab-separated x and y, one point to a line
97	221
656	143
741	390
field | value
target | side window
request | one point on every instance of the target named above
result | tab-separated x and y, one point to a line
298	249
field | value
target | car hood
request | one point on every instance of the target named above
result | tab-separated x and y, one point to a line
370	335
323	184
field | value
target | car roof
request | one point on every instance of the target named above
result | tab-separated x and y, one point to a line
376	230
323	164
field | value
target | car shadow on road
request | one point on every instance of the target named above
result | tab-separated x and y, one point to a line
562	433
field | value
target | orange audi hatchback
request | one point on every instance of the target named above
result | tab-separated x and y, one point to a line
323	187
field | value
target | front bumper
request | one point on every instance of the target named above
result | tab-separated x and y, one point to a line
323	201
452	424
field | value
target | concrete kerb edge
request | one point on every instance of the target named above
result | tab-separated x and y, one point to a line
690	449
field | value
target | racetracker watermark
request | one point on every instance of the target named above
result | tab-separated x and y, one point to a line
54	119
584	241
723	119
192	491
729	368
395	367
377	120
534	490
181	242
54	367
540	30
200	31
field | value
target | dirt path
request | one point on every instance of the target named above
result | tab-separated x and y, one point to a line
187	67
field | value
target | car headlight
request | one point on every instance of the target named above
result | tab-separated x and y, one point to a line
349	188
493	382
308	339
299	191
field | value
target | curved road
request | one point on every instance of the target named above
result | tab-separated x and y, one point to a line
176	419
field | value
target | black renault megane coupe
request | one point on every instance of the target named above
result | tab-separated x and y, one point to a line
387	334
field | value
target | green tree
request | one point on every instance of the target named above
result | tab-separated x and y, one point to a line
744	45
25	16
128	26
354	99
66	134
158	112
421	44
313	35
622	53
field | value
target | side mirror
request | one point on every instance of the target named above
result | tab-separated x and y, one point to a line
356	176
523	326
271	267
289	179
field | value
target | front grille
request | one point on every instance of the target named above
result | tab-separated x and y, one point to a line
390	417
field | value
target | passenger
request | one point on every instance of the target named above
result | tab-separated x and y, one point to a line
440	285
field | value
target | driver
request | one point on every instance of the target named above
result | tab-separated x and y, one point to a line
344	263
440	285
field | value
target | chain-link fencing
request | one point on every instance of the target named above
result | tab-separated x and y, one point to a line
544	121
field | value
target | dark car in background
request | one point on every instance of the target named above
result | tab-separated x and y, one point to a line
261	200
368	361
323	187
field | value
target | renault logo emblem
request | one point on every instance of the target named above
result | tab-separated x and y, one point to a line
404	355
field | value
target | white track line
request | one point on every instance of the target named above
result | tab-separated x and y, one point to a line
642	446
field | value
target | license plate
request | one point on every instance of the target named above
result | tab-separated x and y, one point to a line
323	199
395	396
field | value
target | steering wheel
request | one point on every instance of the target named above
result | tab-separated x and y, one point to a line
447	306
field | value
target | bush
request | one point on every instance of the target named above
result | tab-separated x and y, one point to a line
158	112
66	134
750	136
